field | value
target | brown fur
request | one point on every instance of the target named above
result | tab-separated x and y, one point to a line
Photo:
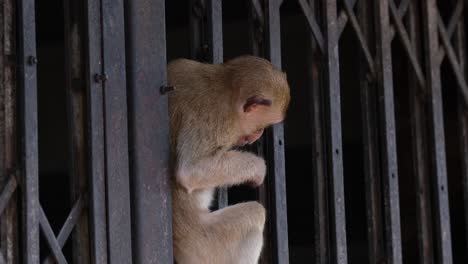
204	123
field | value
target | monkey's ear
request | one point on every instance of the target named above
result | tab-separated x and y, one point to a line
254	102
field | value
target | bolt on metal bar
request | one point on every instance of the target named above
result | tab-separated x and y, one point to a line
29	148
148	131
437	135
97	187
333	134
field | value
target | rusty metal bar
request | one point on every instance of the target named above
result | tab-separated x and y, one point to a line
437	136
29	148
388	134
371	146
333	135
276	180
97	187
149	131
9	241
76	118
320	179
116	137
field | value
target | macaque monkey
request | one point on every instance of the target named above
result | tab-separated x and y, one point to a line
213	110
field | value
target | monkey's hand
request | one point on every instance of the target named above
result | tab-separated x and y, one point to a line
230	168
258	171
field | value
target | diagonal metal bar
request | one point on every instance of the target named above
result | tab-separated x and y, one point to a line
452	26
455	18
409	48
459	76
68	226
49	235
402	9
312	23
404	5
360	36
9	189
343	18
258	10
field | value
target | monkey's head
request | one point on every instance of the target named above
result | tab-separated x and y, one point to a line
261	96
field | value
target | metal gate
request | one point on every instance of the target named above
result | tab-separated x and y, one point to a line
118	207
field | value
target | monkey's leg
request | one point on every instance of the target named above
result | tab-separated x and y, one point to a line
239	228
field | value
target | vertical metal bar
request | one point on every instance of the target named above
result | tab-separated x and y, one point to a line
437	136
463	116
196	32
420	158
149	132
388	131
333	130
97	183
29	147
320	179
215	45
275	147
76	112
372	170
115	116
9	229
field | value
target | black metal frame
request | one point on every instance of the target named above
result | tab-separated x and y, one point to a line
115	66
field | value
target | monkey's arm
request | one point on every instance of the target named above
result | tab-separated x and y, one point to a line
229	168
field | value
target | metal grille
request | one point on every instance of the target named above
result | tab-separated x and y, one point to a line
115	66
